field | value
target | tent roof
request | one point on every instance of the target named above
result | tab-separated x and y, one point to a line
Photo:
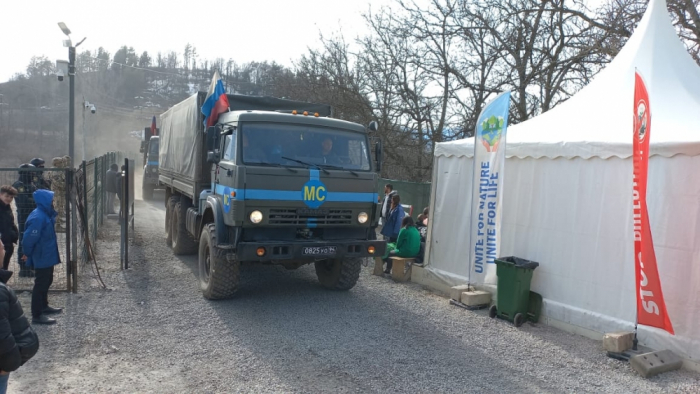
597	121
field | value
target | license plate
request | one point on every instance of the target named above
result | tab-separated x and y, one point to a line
319	251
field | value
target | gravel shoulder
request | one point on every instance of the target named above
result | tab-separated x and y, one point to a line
153	332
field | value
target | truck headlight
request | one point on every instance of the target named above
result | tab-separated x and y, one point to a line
256	217
362	217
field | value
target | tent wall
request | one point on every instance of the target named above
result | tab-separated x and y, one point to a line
574	216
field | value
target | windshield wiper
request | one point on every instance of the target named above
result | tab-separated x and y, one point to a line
332	167
262	163
307	164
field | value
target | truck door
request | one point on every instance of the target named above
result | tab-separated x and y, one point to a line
226	175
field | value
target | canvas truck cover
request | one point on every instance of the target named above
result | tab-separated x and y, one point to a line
181	139
182	131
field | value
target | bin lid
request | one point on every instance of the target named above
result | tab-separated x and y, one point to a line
519	262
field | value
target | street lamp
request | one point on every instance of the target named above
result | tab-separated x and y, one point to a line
71	77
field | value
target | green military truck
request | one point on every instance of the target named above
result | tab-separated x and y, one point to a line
150	146
273	182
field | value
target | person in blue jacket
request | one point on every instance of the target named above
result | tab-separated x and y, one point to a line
391	228
41	253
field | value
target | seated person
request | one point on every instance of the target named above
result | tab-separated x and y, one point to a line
251	153
407	244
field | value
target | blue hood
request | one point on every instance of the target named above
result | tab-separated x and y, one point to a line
43	199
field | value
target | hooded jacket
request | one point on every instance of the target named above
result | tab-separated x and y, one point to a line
39	240
18	341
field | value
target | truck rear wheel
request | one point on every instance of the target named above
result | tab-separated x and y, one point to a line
169	209
218	277
147	192
183	243
339	274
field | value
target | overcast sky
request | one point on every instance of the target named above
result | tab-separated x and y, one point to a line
244	30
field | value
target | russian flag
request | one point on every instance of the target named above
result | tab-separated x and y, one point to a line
216	101
153	126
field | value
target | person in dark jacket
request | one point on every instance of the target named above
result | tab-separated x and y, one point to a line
24	202
118	186
41	253
111	187
38	177
18	341
392	226
8	229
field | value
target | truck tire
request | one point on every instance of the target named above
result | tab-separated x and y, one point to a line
218	277
147	192
169	209
339	274
183	243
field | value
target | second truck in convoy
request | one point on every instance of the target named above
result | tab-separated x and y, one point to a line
273	182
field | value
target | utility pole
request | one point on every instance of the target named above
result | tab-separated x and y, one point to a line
73	266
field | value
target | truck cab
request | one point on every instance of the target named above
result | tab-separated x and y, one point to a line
296	188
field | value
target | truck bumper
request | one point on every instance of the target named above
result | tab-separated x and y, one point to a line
248	251
151	180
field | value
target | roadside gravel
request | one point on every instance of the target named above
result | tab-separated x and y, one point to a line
153	332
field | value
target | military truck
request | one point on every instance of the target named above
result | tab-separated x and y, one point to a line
150	148
275	181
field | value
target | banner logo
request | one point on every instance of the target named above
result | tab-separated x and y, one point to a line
641	120
491	131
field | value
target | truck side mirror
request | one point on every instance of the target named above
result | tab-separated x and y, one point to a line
373	126
378	155
213	156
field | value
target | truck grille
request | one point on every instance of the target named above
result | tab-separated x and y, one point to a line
290	217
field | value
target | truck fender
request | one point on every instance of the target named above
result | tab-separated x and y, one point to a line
214	213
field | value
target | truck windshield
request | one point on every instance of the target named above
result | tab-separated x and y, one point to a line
276	143
153	149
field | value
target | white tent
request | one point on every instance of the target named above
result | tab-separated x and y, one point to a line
568	195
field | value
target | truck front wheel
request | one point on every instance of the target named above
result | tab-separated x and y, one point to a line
218	277
339	274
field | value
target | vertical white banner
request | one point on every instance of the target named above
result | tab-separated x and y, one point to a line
487	196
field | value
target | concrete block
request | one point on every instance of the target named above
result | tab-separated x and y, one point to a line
618	342
476	297
654	363
378	266
456	291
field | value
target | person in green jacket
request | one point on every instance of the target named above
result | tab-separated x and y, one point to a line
407	244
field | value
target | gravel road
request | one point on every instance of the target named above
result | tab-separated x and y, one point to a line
153	332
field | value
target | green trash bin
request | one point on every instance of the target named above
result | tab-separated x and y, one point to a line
513	302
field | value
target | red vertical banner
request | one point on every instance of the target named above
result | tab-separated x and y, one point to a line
651	308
